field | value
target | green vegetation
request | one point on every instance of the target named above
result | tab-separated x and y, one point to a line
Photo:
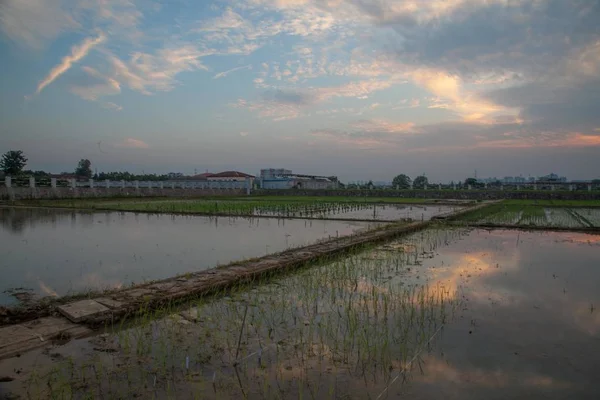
529	213
401	181
554	203
84	168
13	162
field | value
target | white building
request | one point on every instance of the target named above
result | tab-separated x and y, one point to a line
279	178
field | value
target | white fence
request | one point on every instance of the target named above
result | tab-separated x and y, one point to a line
73	183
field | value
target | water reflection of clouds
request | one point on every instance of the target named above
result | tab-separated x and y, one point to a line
461	271
47	290
441	372
531	317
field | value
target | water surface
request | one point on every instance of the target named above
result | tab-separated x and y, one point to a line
56	252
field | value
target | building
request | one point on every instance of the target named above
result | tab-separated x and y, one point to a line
279	178
272	173
230	176
552	177
200	177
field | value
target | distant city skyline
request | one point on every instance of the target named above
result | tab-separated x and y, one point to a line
357	89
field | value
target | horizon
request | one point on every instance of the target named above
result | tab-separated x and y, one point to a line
347	88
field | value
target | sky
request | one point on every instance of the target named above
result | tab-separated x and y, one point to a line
361	89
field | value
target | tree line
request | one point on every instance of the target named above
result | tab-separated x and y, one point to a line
13	164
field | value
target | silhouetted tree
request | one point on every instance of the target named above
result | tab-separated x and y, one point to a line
84	168
471	181
420	182
13	162
401	181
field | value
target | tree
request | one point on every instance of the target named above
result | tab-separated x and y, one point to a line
401	181
420	182
471	181
84	168
13	162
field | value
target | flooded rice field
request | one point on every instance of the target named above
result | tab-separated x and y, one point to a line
46	252
377	212
538	216
273	208
449	313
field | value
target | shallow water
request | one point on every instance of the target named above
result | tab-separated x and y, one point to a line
56	252
529	325
453	314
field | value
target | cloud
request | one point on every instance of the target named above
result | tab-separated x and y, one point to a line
285	104
407	103
368	133
147	73
225	73
353	89
451	95
107	86
243	134
131	143
503	133
111	106
289	97
33	22
77	53
277	111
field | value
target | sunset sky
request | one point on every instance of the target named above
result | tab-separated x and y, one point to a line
362	89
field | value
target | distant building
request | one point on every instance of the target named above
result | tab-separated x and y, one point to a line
66	176
552	177
230	176
279	178
200	177
271	173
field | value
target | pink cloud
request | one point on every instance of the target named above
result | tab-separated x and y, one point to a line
132	143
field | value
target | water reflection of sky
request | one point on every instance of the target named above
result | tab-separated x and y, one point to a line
529	326
55	252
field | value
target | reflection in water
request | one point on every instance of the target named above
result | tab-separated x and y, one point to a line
528	327
56	252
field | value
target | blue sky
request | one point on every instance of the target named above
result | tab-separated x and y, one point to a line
355	88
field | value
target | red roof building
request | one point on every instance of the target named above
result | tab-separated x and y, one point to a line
200	177
230	176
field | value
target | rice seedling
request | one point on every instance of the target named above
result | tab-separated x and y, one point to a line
532	214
